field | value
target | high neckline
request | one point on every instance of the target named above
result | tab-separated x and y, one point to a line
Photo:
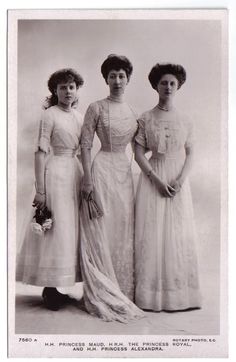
115	99
68	110
165	109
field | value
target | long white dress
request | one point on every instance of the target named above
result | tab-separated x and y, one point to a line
52	259
107	243
165	238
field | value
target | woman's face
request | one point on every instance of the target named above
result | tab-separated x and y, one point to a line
117	81
66	93
167	86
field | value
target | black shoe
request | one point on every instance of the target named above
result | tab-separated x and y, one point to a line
63	298
50	299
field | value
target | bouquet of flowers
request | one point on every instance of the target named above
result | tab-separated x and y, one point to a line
43	220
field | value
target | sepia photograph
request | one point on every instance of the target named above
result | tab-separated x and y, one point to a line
117	157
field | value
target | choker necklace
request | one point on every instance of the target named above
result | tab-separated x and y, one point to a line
163	108
116	99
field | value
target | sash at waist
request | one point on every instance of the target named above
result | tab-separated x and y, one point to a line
67	152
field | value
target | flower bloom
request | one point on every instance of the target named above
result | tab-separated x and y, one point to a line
36	228
47	224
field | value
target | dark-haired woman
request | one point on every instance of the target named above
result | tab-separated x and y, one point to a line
107	243
165	255
50	258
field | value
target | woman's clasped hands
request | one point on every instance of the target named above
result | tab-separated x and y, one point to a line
166	189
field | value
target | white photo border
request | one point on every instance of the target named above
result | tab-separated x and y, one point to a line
218	349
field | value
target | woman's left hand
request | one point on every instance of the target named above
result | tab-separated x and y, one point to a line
86	190
39	200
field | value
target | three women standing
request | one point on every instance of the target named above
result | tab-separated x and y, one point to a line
166	275
165	255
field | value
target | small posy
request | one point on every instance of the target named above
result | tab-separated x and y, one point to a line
43	221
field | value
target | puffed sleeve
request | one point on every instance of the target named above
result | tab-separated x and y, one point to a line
89	126
141	138
189	143
44	133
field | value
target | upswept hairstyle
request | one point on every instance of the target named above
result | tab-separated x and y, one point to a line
116	62
167	68
62	76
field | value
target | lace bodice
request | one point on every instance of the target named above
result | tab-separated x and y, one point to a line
114	122
59	131
163	132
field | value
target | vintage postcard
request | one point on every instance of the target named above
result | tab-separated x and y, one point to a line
143	271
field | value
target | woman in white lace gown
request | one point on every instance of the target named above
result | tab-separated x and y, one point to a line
165	254
107	243
52	259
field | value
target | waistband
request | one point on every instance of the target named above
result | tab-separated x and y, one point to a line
113	148
166	156
64	152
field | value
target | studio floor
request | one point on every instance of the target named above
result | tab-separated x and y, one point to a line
31	317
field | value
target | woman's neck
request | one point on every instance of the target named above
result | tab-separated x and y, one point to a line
165	105
116	97
64	107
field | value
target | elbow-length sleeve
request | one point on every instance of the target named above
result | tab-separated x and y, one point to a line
140	137
44	133
89	126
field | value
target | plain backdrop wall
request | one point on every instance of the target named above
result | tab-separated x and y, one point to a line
44	46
